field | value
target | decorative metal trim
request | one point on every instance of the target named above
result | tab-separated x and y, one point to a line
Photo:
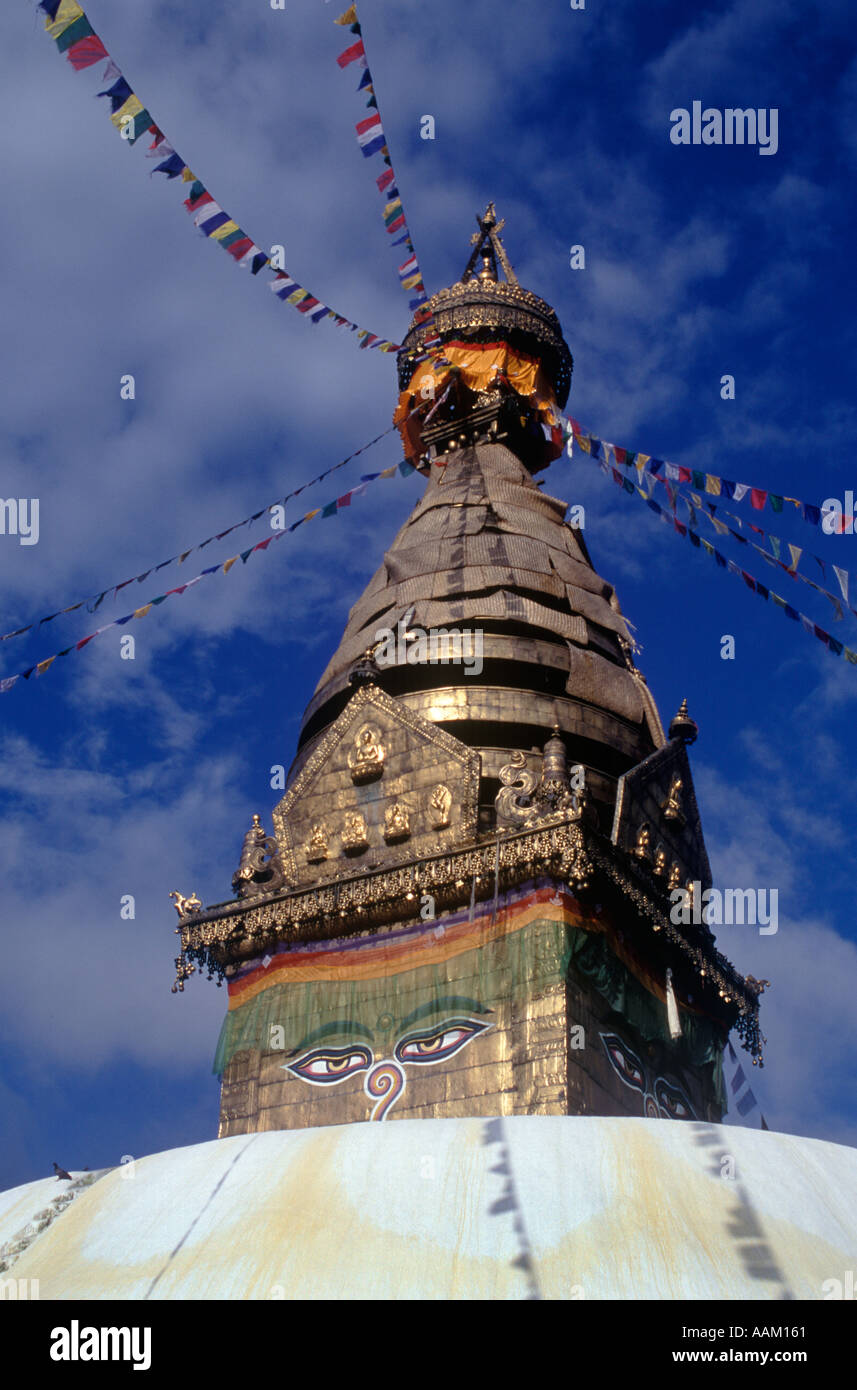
228	933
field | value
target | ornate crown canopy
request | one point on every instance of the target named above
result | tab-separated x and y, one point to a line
481	307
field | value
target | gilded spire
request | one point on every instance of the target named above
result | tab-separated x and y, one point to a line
487	244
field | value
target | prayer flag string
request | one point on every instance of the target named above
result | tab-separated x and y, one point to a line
113	589
69	27
704	482
330	509
372	140
669	519
694	504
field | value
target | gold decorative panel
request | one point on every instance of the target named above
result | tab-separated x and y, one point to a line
382	786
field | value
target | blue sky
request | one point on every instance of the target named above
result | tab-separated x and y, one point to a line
121	777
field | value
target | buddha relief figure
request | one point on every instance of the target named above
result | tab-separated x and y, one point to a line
354	832
319	837
672	806
397	822
660	867
366	759
643	847
674	880
440	806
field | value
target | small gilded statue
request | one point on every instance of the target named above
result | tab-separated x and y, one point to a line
672	806
366	759
643	847
355	834
440	806
397	822
660	866
674	880
186	907
319	837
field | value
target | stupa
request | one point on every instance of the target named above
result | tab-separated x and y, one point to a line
464	909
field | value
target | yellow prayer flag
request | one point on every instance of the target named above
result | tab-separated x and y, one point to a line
141	612
350	16
188	176
795	551
132	107
67	13
309	516
225	230
389	472
712	484
227	564
43	665
642	460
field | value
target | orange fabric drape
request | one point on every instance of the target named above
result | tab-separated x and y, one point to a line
476	365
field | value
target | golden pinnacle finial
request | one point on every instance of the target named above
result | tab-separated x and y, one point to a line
682	726
487	244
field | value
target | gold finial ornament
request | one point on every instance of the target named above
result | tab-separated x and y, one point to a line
682	726
186	907
259	869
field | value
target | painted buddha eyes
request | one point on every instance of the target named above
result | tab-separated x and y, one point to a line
327	1065
438	1043
665	1100
624	1061
672	1101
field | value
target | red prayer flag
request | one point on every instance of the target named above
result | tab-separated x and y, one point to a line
620	453
399	222
683	474
193	204
758	498
384	179
86	52
355	51
240	248
344	500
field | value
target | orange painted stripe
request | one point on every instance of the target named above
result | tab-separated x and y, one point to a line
379	957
